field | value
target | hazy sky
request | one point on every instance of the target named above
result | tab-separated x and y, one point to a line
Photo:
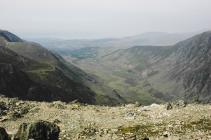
103	18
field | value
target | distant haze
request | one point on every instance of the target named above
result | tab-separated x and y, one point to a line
103	18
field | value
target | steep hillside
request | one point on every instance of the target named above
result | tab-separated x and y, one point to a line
32	72
121	71
193	66
182	70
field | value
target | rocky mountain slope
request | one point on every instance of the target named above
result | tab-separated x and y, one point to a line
193	59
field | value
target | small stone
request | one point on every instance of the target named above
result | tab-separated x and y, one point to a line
169	106
130	105
130	115
114	130
181	103
144	108
130	137
19	103
165	134
105	131
3	119
154	105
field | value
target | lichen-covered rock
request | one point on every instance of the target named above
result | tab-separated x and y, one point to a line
3	134
40	130
181	103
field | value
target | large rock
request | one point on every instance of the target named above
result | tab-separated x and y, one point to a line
3	134
3	108
40	130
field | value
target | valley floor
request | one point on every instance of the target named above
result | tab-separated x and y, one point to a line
128	122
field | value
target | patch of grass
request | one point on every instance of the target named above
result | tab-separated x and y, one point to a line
202	124
142	129
159	128
129	129
41	72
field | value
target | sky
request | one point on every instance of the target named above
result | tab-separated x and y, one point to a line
103	18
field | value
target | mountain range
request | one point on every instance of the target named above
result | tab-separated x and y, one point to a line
149	73
149	38
107	74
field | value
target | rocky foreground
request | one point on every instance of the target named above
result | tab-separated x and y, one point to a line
172	121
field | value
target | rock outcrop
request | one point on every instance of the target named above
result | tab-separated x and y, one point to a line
40	130
3	134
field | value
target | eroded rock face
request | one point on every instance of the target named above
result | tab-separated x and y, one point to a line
3	134
40	130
